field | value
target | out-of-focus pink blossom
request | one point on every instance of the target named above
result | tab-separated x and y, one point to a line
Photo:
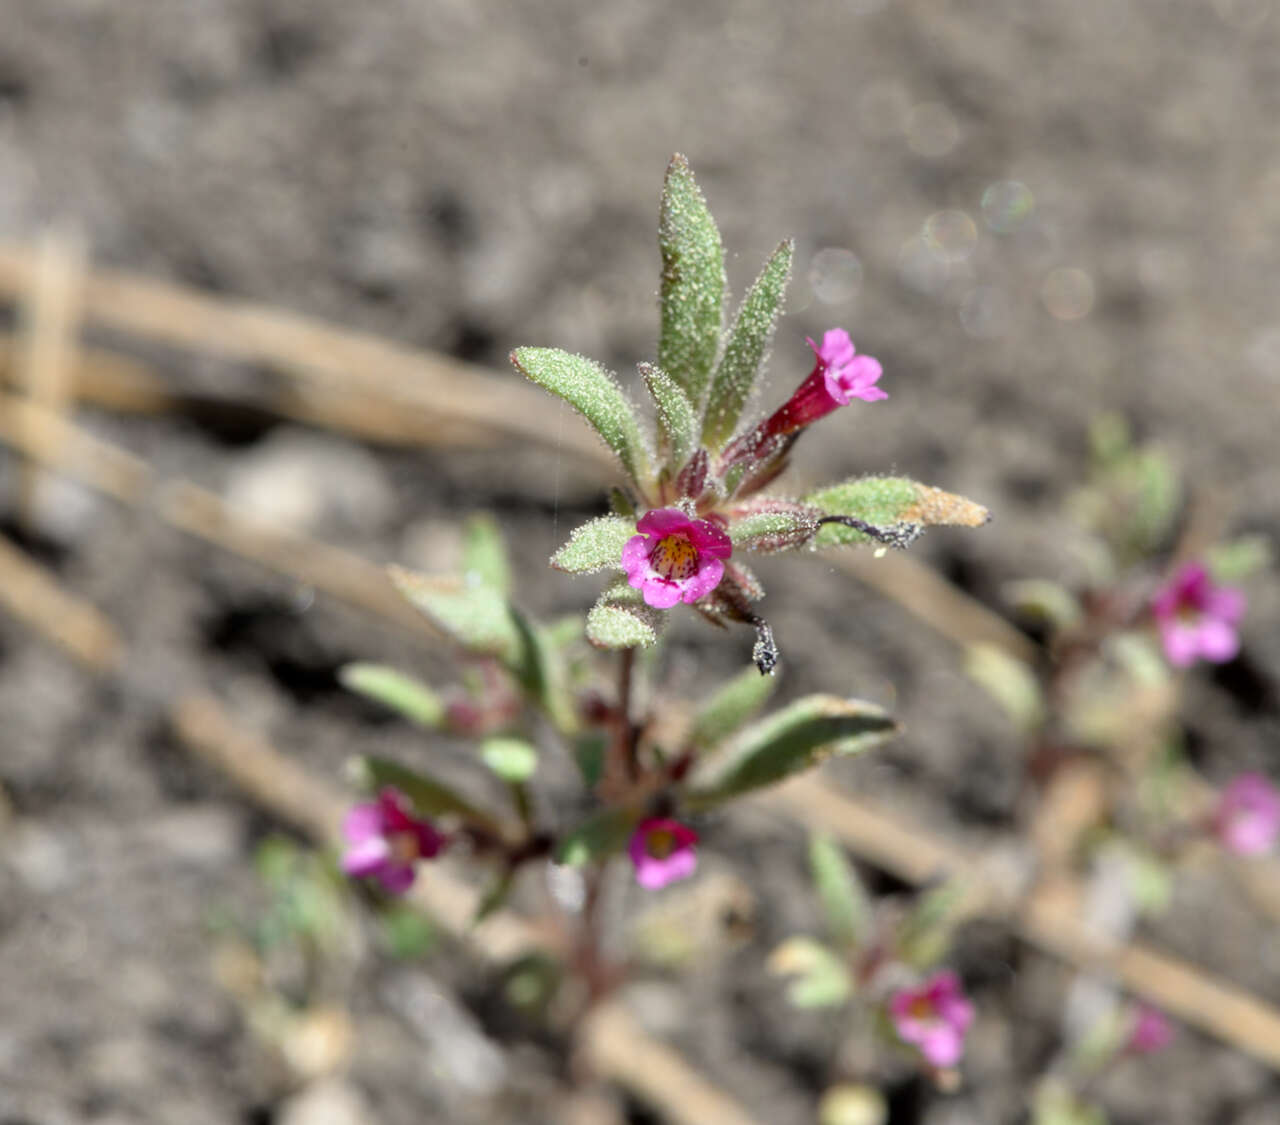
385	840
1246	819
1197	619
933	1018
662	851
1149	1031
675	558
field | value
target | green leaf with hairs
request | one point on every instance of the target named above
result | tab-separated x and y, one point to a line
733	704
844	899
595	545
693	282
602	834
484	554
749	339
473	614
677	421
403	694
428	796
787	742
594	393
776	526
890	503
620	619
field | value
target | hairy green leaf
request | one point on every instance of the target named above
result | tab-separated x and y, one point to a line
844	899
484	554
595	394
749	339
620	619
428	796
775	525
733	704
595	545
889	502
403	694
789	741
677	421
599	836
475	615
693	282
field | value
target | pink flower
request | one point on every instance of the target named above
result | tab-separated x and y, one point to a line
1150	1031
385	840
1197	618
675	558
1247	817
934	1018
662	851
845	376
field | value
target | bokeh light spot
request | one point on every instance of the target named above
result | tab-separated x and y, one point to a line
1067	293
1006	204
950	234
835	275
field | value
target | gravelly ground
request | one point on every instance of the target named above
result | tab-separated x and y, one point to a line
467	176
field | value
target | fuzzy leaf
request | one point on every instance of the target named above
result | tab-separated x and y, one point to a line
620	619
796	738
601	835
749	339
403	694
484	554
595	545
677	422
474	615
540	668
1009	681
844	899
593	393
428	796
1241	558
821	979
888	501
731	706
693	282
773	525
512	759
1049	602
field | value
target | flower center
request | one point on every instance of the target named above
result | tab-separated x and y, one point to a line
660	843
674	557
404	846
922	1008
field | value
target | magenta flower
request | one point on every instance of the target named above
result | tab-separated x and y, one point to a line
662	851
934	1018
675	558
1247	817
1149	1031
838	377
385	839
1197	618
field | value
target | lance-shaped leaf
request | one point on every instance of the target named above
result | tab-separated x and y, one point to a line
595	545
796	738
769	524
428	796
890	503
677	421
602	834
844	899
484	554
692	282
733	704
473	614
403	694
620	619
512	759
739	368
593	393
540	668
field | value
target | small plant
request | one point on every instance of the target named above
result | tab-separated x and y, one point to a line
698	497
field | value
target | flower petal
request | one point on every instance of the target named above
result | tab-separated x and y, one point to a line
663	521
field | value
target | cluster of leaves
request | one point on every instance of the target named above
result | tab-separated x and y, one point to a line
698	453
678	769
